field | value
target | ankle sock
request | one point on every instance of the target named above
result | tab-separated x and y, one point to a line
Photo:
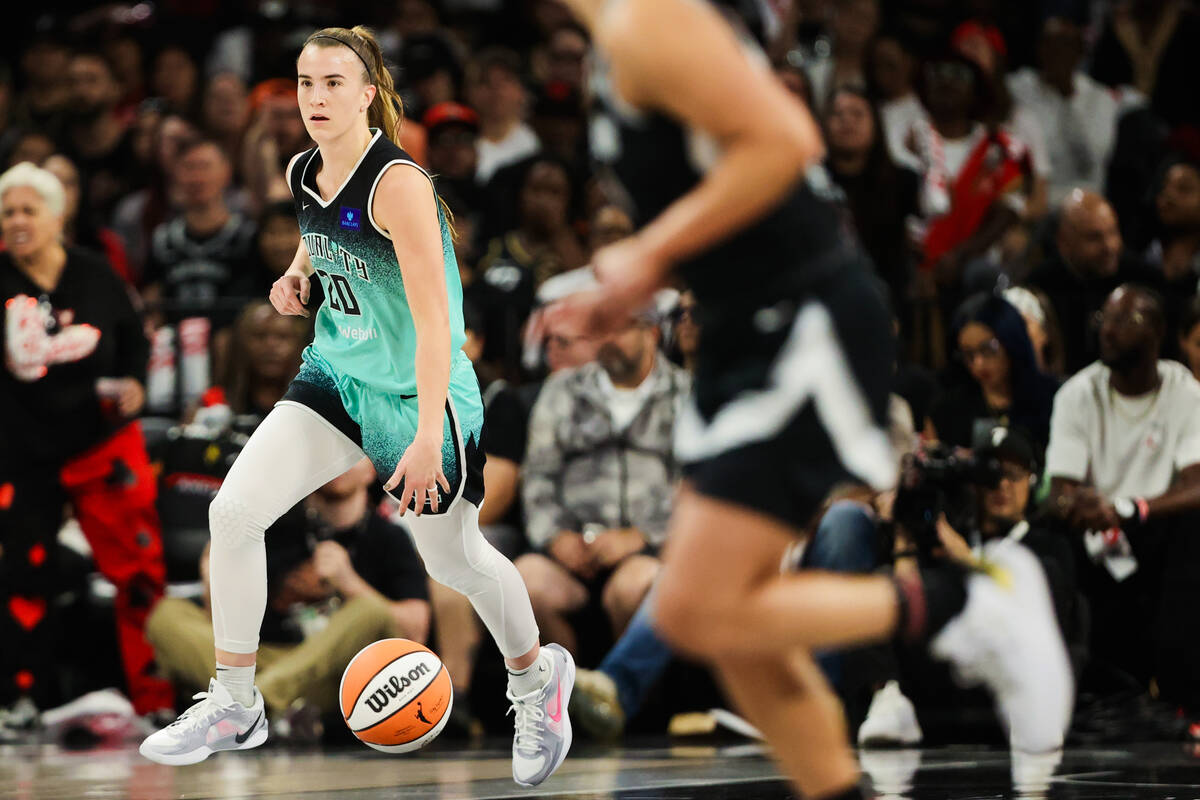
532	678
928	600
239	681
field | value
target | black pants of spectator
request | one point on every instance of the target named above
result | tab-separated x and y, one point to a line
1146	625
31	508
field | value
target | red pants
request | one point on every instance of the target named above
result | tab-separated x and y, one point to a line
112	489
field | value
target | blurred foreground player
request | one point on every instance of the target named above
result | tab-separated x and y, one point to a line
790	397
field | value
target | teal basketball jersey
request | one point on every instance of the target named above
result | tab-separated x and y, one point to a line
364	329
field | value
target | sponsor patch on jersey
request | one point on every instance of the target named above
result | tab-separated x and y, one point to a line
350	218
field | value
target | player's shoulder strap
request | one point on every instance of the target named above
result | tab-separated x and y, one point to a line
384	156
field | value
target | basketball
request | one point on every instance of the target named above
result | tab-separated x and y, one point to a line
396	695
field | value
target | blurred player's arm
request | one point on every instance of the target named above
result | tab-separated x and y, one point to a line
699	74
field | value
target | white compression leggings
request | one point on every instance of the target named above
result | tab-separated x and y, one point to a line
291	454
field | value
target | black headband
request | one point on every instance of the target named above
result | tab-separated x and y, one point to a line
353	49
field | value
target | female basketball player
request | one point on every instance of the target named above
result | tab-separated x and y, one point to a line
385	375
790	395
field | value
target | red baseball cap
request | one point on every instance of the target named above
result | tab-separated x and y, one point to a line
450	113
972	29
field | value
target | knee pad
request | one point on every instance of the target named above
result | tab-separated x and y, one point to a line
464	562
231	523
466	572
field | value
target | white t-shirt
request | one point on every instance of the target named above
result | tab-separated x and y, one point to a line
624	404
1125	446
1079	130
520	143
899	116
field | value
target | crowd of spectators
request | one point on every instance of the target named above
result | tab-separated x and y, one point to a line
1024	176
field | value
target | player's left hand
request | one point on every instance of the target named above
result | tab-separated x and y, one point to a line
420	469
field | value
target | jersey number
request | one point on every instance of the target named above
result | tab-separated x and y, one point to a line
341	296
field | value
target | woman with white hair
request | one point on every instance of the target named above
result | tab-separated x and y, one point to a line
70	390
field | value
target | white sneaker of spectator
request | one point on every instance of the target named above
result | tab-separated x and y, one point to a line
891	720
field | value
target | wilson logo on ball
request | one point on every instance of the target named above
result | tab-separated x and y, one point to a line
379	699
396	695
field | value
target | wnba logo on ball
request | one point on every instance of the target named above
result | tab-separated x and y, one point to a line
396	684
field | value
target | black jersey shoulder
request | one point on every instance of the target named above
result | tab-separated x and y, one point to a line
355	195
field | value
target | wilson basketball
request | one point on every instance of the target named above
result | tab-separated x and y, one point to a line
396	695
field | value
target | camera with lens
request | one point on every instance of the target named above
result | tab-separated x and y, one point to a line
939	481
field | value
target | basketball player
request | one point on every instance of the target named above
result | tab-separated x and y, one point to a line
717	161
385	375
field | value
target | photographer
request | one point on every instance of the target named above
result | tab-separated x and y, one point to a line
975	499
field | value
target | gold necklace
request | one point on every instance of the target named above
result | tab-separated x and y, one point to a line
1112	399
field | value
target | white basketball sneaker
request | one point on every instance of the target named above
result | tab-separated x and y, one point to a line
217	722
1007	638
891	720
543	728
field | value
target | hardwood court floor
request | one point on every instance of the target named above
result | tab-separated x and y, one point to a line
645	771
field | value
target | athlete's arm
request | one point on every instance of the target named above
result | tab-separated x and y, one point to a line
700	75
406	207
289	294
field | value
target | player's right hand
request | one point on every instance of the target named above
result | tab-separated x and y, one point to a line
289	295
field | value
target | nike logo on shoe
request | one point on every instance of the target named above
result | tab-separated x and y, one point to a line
555	712
244	735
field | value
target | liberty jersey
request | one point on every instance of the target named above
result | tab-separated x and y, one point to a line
364	329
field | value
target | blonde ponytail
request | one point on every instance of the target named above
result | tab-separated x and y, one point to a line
387	109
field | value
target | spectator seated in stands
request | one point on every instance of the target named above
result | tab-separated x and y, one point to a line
71	388
882	196
453	132
340	577
277	240
264	356
1175	253
598	480
977	177
517	263
1077	115
1124	463
1091	261
1189	336
96	136
1041	324
494	89
79	230
201	262
996	381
